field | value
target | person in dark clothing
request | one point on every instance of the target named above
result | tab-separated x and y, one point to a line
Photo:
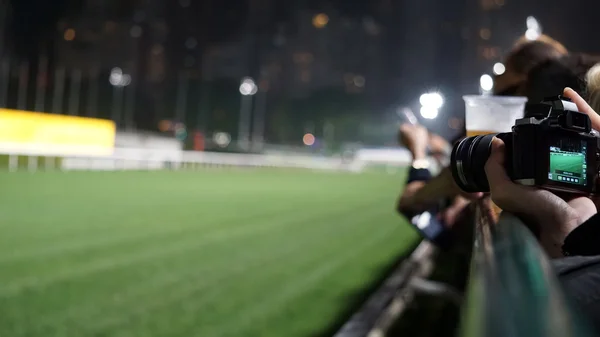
569	229
521	60
423	191
545	79
549	78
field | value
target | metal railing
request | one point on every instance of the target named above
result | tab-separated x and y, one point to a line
513	290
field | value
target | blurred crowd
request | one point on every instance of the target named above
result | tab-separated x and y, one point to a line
566	227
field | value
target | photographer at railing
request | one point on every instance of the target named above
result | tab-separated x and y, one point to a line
568	225
534	69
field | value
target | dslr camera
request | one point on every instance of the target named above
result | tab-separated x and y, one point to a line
553	148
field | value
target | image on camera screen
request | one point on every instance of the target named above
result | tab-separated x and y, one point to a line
568	162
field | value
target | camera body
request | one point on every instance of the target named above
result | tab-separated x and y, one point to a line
553	148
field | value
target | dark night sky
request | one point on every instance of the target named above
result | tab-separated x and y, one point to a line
417	53
34	18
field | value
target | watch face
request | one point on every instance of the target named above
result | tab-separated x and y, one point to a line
421	164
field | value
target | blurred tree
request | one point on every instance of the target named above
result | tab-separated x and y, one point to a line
344	111
280	127
224	106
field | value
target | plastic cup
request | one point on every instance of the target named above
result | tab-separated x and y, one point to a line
492	114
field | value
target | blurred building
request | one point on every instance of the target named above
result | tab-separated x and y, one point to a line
490	33
424	47
108	34
307	53
383	51
495	25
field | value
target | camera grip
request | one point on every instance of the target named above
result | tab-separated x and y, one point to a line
507	138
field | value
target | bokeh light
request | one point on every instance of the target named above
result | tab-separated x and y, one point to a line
320	20
432	99
532	23
248	87
222	139
532	35
308	139
429	112
499	68
165	125
486	82
117	78
69	34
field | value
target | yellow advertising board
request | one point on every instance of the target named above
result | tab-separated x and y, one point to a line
51	134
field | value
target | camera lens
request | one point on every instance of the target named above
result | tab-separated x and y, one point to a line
468	161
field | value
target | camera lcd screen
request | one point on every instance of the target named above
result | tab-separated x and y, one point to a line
568	162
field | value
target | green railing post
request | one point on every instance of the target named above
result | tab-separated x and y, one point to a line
513	290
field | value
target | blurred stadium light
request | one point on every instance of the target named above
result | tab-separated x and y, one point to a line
118	78
248	88
433	99
499	68
534	29
428	112
486	82
431	104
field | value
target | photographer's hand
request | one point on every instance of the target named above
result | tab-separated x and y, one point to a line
555	216
583	107
450	215
415	138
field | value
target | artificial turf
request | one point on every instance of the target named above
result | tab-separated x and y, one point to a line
216	252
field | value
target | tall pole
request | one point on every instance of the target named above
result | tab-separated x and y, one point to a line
59	90
4	79
204	104
92	100
248	88
182	90
117	103
328	134
74	92
130	106
203	107
41	84
23	84
258	127
244	122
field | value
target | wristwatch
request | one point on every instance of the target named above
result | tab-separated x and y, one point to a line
421	163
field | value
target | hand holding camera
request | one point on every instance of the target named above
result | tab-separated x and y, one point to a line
521	168
554	148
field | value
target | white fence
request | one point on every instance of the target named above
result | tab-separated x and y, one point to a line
157	159
146	140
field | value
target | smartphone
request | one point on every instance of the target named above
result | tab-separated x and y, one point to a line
409	116
432	229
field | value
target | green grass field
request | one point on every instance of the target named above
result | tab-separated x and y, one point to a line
206	253
561	162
